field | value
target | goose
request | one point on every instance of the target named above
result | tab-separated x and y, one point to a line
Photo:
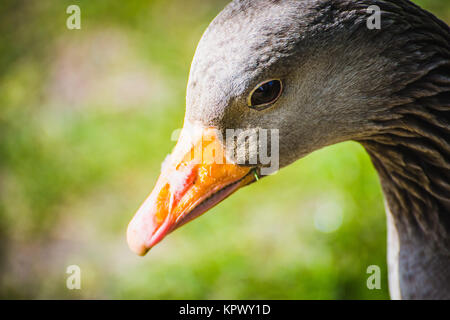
314	73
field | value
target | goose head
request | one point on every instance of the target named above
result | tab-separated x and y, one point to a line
308	74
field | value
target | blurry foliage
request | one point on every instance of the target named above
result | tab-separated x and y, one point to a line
86	118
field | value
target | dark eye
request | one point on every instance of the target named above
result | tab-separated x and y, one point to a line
265	94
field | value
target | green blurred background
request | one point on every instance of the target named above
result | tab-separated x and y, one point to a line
86	118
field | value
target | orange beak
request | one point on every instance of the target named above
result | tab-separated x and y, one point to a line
196	178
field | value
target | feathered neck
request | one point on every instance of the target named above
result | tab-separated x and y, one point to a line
411	152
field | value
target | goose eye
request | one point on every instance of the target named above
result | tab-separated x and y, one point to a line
265	94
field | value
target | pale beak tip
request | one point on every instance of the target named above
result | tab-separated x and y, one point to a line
135	243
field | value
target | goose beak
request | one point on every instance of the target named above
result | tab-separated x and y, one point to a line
194	178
